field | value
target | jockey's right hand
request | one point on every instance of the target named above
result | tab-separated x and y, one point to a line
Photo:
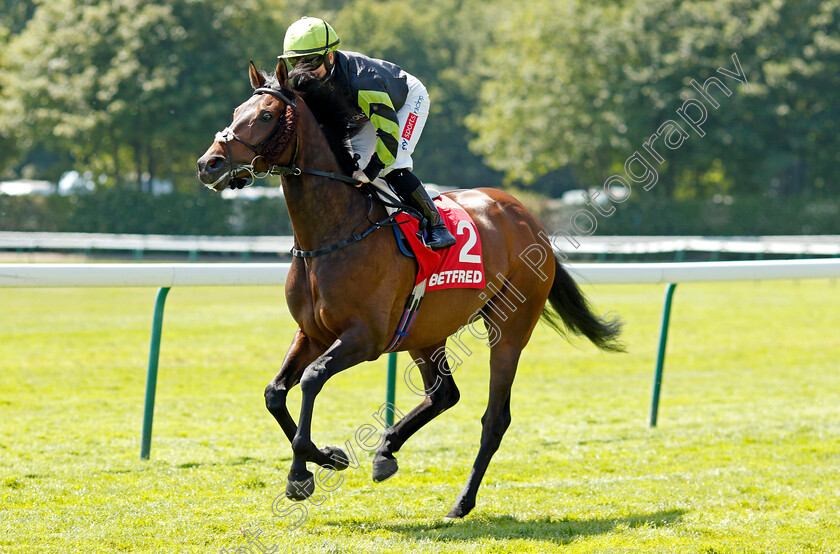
360	176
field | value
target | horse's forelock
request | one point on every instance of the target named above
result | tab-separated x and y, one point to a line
271	80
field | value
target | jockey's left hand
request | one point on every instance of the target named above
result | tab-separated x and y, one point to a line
360	176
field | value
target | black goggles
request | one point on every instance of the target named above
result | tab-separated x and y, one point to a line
314	60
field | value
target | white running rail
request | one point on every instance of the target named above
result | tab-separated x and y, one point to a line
243	274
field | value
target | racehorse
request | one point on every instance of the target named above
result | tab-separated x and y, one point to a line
347	295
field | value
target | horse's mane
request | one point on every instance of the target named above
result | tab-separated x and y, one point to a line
332	117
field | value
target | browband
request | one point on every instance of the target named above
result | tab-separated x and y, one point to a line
277	94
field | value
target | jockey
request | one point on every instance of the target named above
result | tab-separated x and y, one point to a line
390	105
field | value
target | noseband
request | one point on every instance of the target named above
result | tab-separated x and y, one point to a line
227	134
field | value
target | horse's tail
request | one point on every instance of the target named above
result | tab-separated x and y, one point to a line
569	312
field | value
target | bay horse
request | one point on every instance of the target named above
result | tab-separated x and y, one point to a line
348	301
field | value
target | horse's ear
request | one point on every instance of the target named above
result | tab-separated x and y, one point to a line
257	78
282	72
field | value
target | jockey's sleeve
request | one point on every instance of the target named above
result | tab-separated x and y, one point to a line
379	109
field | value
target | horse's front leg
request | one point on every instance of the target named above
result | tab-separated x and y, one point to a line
302	352
348	350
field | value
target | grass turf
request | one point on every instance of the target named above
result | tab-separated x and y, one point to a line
746	457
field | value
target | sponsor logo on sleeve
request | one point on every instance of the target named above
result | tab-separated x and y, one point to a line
409	126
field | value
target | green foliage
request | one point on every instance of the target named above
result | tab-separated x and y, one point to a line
114	210
438	44
35	213
778	137
264	217
13	16
739	216
126	211
547	101
553	94
129	87
586	88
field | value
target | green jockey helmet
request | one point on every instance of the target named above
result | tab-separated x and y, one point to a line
308	36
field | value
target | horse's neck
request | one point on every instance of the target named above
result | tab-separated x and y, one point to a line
323	210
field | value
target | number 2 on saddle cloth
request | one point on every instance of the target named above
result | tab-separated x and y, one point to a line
459	266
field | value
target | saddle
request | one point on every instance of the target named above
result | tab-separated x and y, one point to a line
459	266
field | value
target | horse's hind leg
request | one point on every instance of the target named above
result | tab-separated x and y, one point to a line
496	419
514	332
441	394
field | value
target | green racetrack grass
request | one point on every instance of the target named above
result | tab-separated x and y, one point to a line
746	457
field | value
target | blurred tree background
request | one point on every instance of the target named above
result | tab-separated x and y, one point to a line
541	97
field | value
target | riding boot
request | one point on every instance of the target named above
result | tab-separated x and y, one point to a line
409	188
438	236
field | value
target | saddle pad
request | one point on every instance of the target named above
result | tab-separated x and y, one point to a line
458	267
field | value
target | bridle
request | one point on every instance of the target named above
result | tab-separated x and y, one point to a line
227	134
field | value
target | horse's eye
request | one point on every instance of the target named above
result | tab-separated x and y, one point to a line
265	116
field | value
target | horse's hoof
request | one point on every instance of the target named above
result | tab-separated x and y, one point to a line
384	467
338	458
459	510
455	513
300	486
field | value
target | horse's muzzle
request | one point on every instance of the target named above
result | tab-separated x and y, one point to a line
213	171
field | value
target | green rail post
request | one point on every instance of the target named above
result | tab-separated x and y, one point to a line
151	374
390	388
660	356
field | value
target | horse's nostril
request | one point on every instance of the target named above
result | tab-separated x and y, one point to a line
214	163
